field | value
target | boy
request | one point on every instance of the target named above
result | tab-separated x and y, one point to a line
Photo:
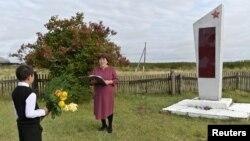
25	102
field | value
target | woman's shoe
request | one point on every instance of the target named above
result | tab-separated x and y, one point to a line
109	130
102	128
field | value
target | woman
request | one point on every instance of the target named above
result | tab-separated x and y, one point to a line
104	94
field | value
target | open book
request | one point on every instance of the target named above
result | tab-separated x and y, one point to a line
98	79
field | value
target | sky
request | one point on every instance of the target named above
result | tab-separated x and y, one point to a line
166	26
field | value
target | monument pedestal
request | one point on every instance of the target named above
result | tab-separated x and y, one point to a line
224	103
208	48
222	109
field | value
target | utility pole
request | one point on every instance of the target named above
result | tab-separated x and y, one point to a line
143	68
142	55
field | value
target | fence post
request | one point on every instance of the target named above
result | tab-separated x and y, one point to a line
35	83
172	82
181	84
237	80
2	81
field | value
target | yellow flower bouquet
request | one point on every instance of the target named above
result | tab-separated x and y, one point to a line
57	102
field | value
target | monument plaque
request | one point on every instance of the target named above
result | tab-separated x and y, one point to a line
208	49
207	52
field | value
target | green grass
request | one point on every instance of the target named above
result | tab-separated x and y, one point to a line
243	65
6	71
155	68
136	118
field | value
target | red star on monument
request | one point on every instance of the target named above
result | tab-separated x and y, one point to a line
215	14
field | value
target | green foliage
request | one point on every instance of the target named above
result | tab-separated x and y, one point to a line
52	104
237	65
76	92
71	47
59	101
162	66
68	82
183	66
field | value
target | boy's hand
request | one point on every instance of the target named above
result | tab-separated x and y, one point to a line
46	111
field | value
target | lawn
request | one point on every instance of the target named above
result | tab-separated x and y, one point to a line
136	118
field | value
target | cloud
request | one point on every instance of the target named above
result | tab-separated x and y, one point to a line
166	26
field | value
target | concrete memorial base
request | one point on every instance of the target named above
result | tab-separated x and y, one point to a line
222	109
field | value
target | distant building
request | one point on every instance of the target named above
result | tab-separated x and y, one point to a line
4	61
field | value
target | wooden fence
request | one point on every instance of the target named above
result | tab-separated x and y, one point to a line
170	83
7	84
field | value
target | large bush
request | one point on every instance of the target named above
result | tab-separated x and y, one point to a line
71	47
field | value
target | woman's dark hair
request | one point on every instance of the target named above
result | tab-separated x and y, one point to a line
23	72
103	56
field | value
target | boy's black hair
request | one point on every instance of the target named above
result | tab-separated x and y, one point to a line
23	72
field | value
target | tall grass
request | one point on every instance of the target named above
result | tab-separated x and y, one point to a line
136	118
150	68
10	70
156	68
7	71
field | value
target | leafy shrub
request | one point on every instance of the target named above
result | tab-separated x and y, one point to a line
77	91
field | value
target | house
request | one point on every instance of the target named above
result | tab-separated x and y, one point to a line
4	61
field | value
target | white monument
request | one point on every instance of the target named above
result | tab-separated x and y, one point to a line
208	36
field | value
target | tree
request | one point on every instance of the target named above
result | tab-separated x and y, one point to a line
72	46
70	50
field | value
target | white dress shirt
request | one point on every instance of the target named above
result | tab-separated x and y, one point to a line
30	111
